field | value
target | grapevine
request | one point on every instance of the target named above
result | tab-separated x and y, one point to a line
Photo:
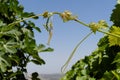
104	62
18	46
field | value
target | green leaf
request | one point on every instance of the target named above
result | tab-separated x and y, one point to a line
42	48
107	76
78	78
48	50
13	32
3	67
103	43
13	75
2	24
113	40
10	46
84	78
115	16
15	59
4	62
31	24
26	15
100	25
10	31
94	26
81	78
84	72
38	62
117	58
27	32
29	45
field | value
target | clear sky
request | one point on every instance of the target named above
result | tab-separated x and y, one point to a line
67	35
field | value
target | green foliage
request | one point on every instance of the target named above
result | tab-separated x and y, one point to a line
18	46
112	39
104	62
17	43
35	75
98	65
115	16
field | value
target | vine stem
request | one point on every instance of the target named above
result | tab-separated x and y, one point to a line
81	22
77	20
97	30
108	33
37	15
25	19
73	52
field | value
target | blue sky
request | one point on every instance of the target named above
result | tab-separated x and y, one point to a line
67	35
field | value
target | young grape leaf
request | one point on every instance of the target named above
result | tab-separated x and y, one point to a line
67	16
113	40
94	26
100	25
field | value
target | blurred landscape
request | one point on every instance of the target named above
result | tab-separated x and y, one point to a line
50	76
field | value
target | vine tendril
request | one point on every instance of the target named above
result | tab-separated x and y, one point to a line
73	52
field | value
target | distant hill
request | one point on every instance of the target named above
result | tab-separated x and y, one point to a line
50	76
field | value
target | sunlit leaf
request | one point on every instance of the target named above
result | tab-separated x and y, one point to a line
40	47
2	24
103	24
3	67
10	46
100	25
113	40
27	32
94	26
